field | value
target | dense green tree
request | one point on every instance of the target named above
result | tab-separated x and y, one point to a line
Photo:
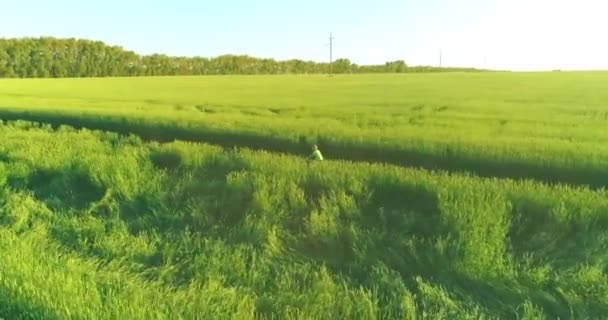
51	57
343	66
396	66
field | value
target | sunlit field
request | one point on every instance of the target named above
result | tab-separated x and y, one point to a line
447	195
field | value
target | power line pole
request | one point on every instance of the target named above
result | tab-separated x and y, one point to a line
440	57
331	52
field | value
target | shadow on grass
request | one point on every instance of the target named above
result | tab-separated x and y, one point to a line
60	189
564	241
397	225
504	297
4	157
16	307
448	160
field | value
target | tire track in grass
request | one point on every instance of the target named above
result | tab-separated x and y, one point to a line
450	161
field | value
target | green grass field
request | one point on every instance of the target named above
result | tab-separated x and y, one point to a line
545	126
444	196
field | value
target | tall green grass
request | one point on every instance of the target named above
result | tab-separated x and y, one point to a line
95	225
543	126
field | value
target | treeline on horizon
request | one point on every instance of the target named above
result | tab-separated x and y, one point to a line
49	57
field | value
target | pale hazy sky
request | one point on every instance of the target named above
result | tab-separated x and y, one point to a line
510	34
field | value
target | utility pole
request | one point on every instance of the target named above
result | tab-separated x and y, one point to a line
440	57
331	52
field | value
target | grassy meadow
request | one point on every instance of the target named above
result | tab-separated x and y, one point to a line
443	196
545	126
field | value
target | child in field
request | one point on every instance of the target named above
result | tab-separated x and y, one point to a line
316	153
